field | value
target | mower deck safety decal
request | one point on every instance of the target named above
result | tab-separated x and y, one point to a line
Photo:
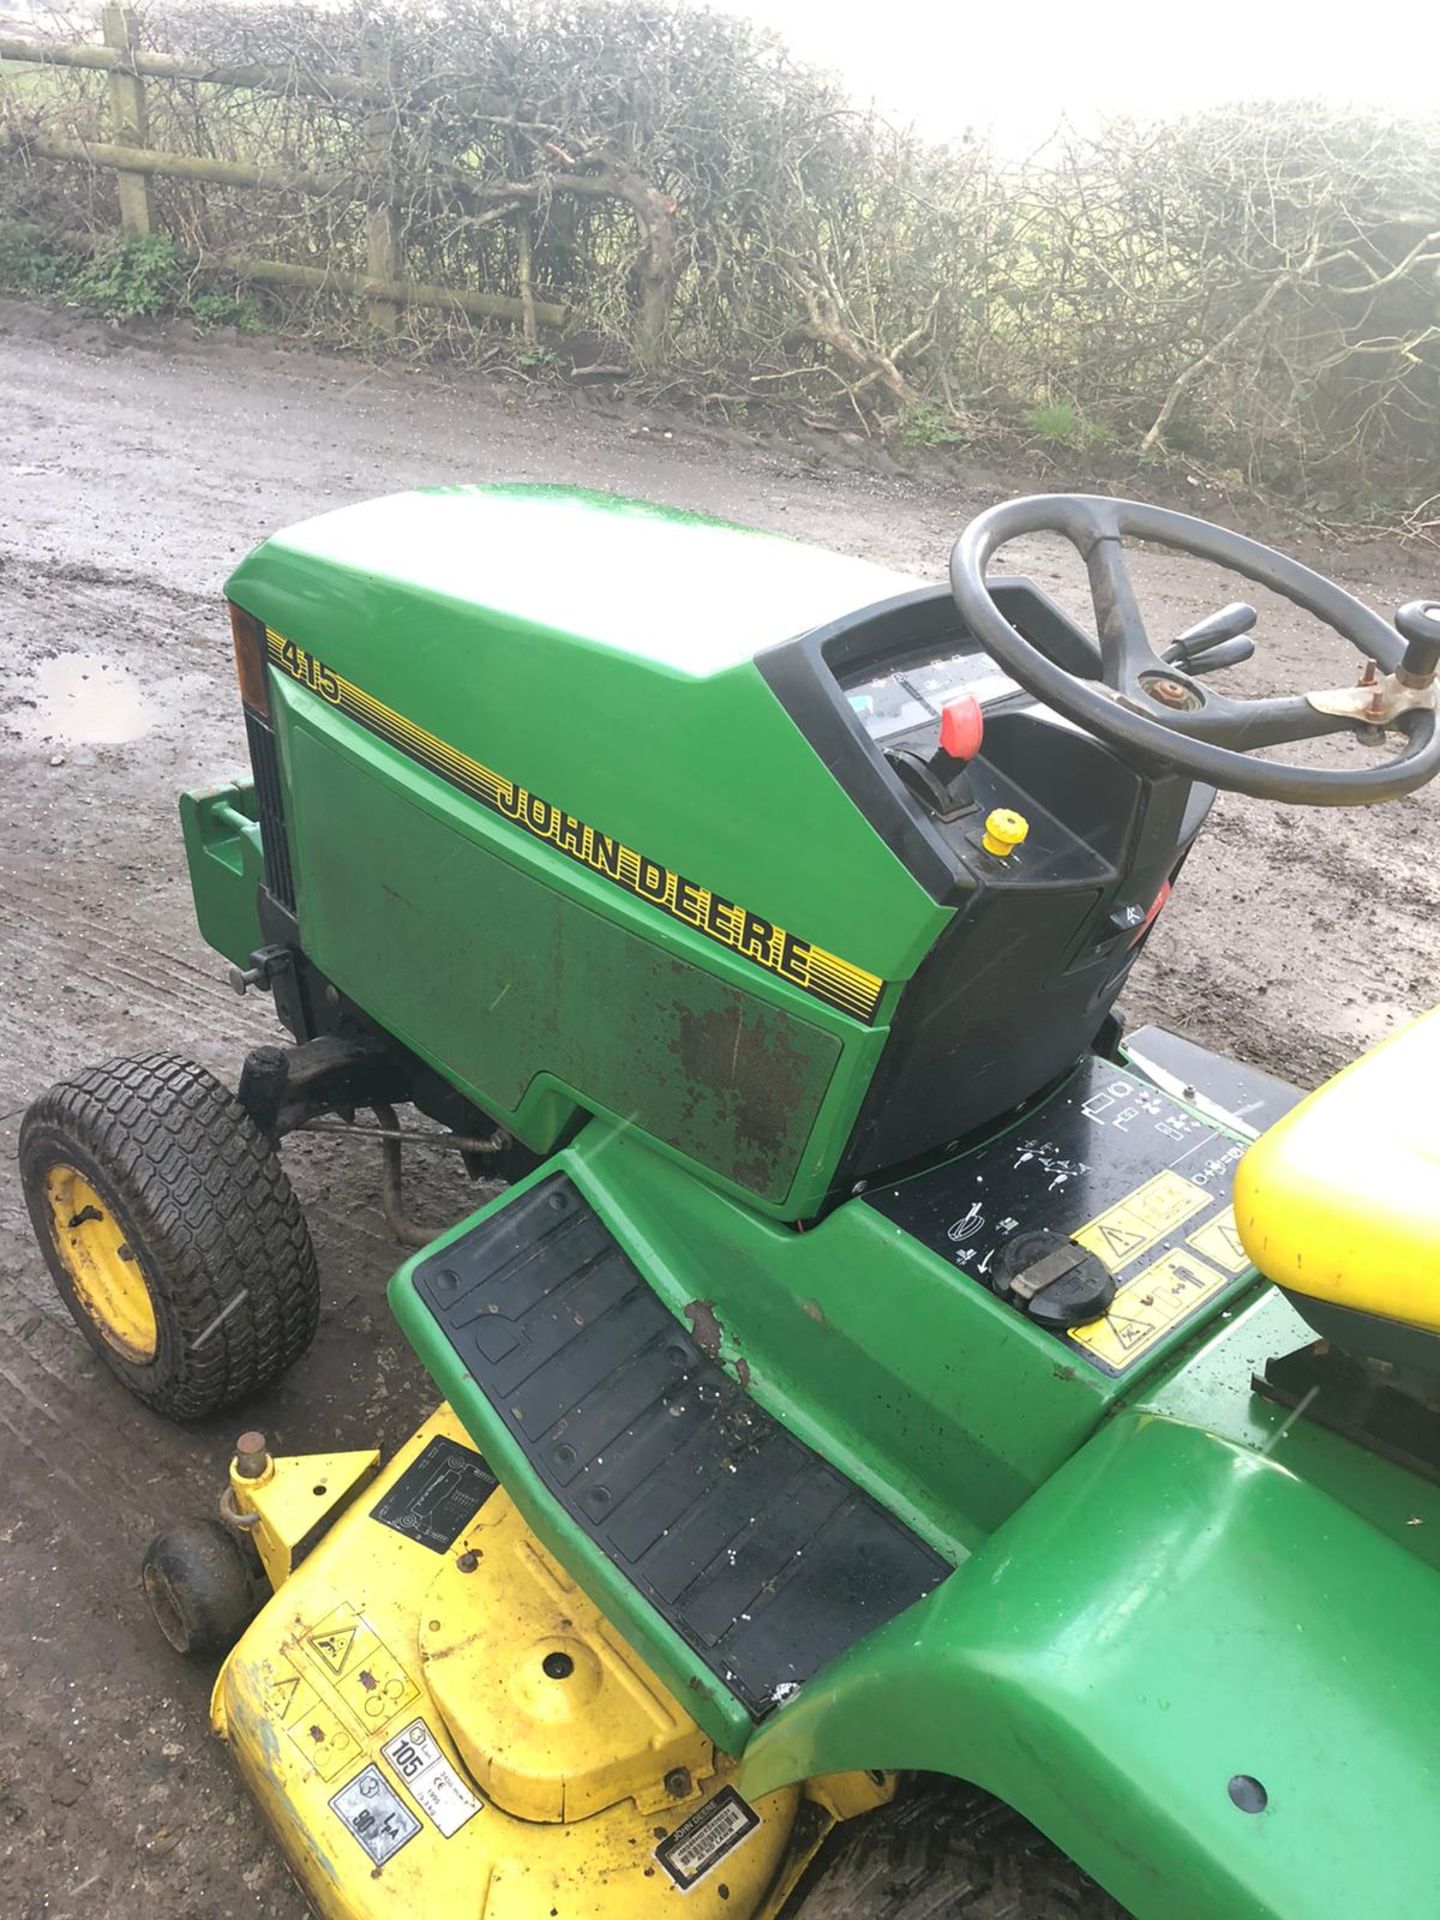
312	1725
352	1666
822	975
375	1814
437	1496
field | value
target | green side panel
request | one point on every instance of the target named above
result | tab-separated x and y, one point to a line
599	653
1144	1606
1177	1607
533	1001
222	850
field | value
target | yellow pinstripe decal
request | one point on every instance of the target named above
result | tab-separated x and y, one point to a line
823	975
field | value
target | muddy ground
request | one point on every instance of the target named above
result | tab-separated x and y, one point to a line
132	476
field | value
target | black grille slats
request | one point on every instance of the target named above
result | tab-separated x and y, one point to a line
270	800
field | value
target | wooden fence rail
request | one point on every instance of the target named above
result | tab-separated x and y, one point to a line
185	166
383	286
169	66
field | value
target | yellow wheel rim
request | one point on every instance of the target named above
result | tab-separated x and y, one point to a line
103	1269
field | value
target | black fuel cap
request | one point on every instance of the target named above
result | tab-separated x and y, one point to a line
1051	1280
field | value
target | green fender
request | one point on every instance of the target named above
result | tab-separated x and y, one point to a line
1172	1609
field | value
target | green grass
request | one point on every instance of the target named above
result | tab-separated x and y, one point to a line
241	310
926	427
139	277
31	262
1061	423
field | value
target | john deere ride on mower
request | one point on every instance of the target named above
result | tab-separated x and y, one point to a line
873	1367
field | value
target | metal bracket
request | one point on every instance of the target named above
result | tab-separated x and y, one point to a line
282	1088
288	1504
1376	703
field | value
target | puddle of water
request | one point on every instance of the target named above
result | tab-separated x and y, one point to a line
86	700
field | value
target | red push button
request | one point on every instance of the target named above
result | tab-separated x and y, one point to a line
1154	914
962	728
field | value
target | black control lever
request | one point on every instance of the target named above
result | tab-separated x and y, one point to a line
946	797
1229	653
1216	641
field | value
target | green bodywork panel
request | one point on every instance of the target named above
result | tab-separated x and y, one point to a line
597	654
440	928
1196	1595
222	850
908	1386
536	628
874	1350
1156	1587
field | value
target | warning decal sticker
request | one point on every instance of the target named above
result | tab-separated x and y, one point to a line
375	1814
821	974
438	1495
334	1648
702	1841
1123	1233
433	1783
312	1725
1147	1307
355	1669
1219	1240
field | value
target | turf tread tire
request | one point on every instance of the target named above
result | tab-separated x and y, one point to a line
946	1851
219	1234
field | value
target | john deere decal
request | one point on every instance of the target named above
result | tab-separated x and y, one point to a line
823	975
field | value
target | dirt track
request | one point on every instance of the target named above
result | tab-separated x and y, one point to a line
131	478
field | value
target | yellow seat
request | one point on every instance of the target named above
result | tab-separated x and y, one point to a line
1339	1202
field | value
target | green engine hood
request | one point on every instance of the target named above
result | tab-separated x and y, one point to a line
688	593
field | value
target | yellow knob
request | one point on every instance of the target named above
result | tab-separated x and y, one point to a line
1004	831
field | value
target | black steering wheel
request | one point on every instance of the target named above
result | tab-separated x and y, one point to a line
1152	707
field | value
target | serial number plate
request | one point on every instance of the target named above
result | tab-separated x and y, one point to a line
702	1841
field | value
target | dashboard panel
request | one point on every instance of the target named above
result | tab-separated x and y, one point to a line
901	698
1023	976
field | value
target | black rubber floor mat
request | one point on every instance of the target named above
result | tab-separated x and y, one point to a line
767	1561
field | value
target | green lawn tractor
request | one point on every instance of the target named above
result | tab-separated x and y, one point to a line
907	1447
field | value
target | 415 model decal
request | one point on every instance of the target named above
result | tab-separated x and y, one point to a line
304	667
817	972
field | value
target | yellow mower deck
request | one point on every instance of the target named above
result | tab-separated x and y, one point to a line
454	1728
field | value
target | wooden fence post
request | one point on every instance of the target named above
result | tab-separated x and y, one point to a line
525	273
382	223
129	123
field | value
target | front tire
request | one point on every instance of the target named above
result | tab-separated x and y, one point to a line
171	1232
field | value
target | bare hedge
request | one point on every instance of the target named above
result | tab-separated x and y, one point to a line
1255	288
